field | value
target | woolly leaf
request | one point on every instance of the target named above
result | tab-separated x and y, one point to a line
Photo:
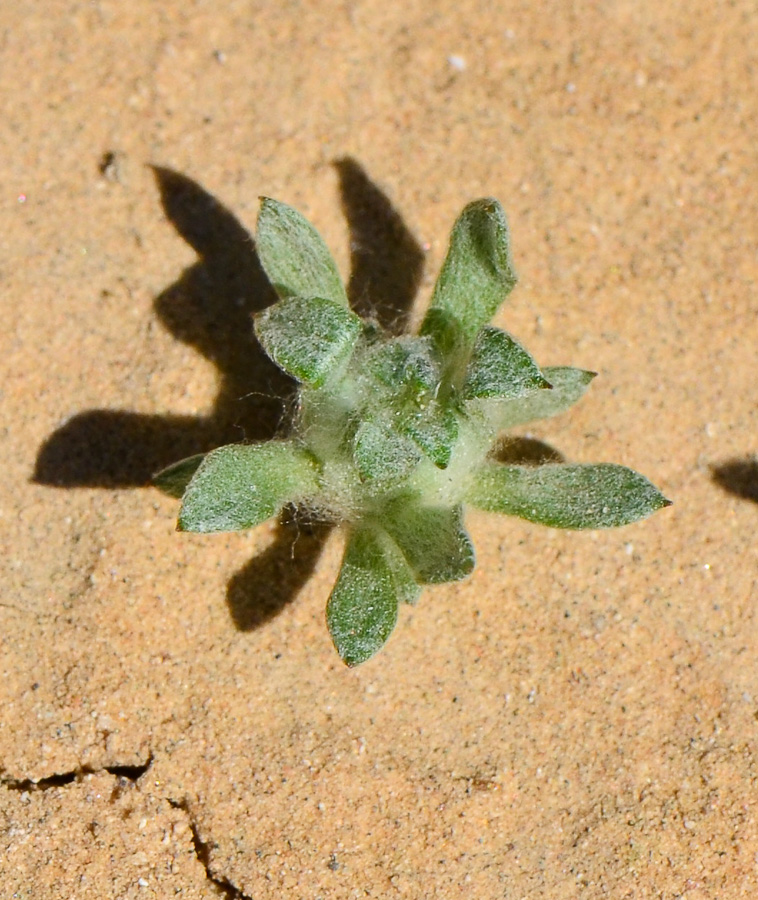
382	455
476	277
501	368
421	372
432	539
407	367
294	256
362	609
309	337
567	496
568	386
387	361
435	431
407	588
173	480
242	485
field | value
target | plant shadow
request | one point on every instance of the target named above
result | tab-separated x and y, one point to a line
272	579
738	477
386	260
522	451
210	308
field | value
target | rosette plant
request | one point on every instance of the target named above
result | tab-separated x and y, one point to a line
392	435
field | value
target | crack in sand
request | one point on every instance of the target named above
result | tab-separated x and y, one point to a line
202	852
128	772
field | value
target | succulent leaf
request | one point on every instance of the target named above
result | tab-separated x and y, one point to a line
309	337
568	385
603	495
501	368
386	362
407	367
383	456
432	539
294	256
476	277
242	485
173	480
435	430
362	609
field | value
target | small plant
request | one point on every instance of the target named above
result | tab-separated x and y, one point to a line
392	435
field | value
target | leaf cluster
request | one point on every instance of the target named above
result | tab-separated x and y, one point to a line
393	434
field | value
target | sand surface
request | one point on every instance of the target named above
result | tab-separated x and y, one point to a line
580	717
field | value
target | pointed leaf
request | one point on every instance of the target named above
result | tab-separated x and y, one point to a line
568	386
362	610
406	586
476	277
309	337
421	372
382	455
501	368
387	361
432	539
435	431
567	496
407	367
242	485
294	255
173	480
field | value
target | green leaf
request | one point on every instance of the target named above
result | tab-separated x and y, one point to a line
435	431
475	279
407	588
242	485
501	368
568	386
294	255
362	610
387	360
309	337
567	496
432	539
382	455
406	366
173	480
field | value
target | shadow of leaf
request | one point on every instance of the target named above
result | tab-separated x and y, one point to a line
108	448
738	477
521	451
210	308
386	260
271	580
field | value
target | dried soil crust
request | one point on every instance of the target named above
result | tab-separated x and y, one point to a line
579	718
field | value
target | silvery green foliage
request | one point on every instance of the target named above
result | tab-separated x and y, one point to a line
393	435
